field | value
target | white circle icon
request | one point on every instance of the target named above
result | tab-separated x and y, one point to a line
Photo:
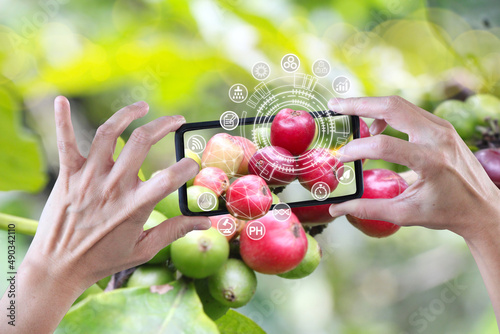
207	201
347	175
321	68
341	85
320	191
196	143
255	230
226	226
238	93
290	63
229	120
261	70
282	212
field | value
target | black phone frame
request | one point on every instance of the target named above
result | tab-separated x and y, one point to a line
180	154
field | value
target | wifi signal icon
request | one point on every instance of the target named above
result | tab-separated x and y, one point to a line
196	143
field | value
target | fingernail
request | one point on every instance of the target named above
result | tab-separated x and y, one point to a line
198	169
334	101
333	212
341	154
372	130
331	104
203	226
180	119
140	103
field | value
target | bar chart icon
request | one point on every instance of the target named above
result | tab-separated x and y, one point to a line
341	85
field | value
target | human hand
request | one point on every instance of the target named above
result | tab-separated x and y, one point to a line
452	190
92	224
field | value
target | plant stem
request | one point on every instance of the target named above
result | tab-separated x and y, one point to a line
23	225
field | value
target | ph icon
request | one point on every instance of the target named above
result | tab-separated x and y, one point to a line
255	230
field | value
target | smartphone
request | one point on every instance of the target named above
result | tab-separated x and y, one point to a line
332	131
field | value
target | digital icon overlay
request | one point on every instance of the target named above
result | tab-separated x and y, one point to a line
321	68
238	93
347	175
341	85
290	63
282	211
320	191
226	226
261	70
207	201
196	143
229	120
297	90
255	230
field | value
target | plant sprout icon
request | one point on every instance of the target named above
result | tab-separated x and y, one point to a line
347	175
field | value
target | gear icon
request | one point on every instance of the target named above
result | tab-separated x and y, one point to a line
261	71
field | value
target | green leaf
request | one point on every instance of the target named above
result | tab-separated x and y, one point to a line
138	310
233	322
21	163
92	290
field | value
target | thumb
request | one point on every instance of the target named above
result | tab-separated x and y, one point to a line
378	209
160	236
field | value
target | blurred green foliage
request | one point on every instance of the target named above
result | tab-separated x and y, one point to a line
21	162
182	56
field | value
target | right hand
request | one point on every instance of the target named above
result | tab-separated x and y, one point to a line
452	190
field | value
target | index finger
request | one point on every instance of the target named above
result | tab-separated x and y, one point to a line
392	109
167	181
69	155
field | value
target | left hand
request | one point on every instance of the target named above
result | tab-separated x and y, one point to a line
92	224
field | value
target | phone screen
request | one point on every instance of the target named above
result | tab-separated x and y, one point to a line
292	181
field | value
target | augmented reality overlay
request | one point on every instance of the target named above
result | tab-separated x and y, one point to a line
303	167
278	145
